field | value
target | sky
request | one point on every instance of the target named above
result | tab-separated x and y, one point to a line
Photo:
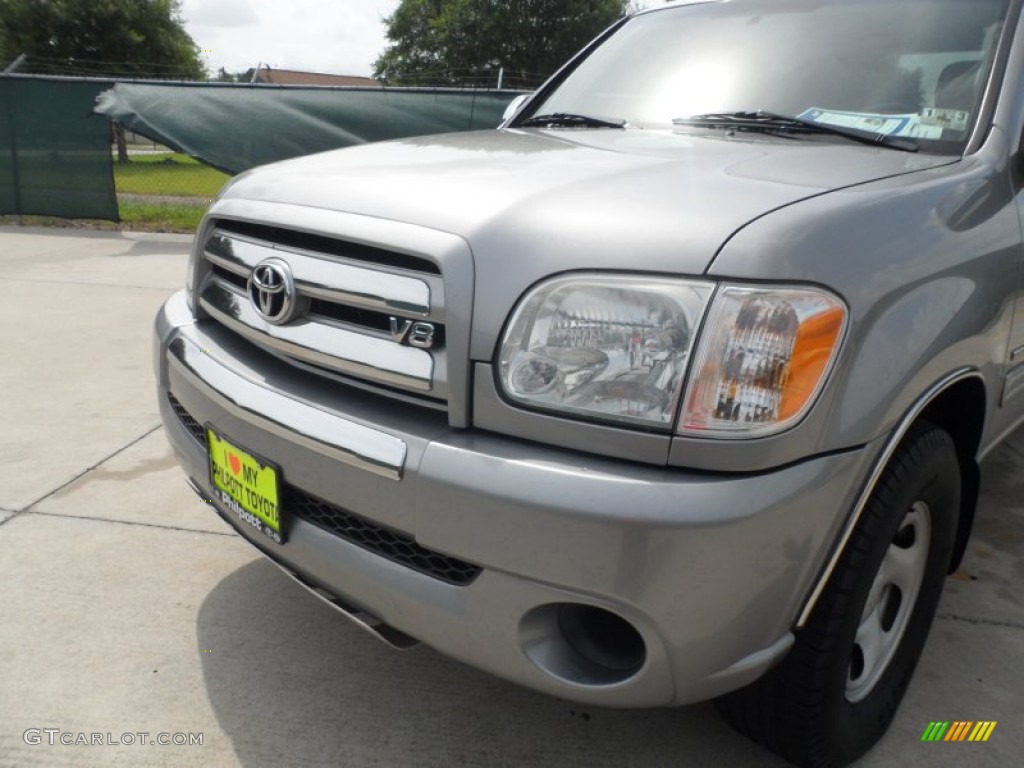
342	37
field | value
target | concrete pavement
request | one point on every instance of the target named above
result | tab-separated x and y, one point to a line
128	607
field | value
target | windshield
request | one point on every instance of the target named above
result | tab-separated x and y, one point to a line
912	68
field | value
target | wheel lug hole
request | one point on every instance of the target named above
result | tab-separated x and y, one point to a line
893	600
856	663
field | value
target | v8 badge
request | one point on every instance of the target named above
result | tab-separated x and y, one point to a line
413	333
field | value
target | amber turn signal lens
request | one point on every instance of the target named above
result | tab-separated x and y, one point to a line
812	351
762	360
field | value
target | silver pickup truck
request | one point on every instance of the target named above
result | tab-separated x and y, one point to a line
674	387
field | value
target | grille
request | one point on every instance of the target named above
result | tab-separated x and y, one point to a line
327	245
357	530
382	541
194	427
353	305
240	282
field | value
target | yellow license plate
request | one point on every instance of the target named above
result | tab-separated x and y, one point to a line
246	485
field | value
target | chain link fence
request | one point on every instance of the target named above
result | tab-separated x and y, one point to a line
61	164
157	187
67	154
53	151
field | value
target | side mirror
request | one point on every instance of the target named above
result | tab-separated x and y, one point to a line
514	106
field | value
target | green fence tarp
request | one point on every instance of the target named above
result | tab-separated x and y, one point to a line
237	127
54	151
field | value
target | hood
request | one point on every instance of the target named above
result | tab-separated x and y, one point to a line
670	196
531	203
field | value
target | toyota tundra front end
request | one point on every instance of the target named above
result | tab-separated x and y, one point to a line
672	388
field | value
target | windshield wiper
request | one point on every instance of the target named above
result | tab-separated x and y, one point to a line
769	122
570	120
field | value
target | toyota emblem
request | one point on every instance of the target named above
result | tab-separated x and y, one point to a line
272	291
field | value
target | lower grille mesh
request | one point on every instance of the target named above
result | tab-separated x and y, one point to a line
379	540
395	546
194	427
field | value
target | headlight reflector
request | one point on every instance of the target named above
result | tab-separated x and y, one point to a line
762	360
605	347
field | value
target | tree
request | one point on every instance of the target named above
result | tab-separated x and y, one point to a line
458	42
119	38
116	38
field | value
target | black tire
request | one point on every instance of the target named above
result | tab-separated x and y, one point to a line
832	697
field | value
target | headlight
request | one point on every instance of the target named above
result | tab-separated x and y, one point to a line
613	348
762	360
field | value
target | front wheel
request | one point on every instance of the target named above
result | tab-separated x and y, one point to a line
837	690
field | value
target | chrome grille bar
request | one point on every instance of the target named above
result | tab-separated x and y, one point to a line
353	352
331	280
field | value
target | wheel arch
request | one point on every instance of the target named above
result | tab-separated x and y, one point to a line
952	402
960	410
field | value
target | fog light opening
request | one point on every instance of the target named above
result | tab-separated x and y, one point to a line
582	644
602	638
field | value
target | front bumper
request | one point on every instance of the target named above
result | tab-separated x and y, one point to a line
710	569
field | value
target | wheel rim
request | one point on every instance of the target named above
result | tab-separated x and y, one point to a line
890	602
